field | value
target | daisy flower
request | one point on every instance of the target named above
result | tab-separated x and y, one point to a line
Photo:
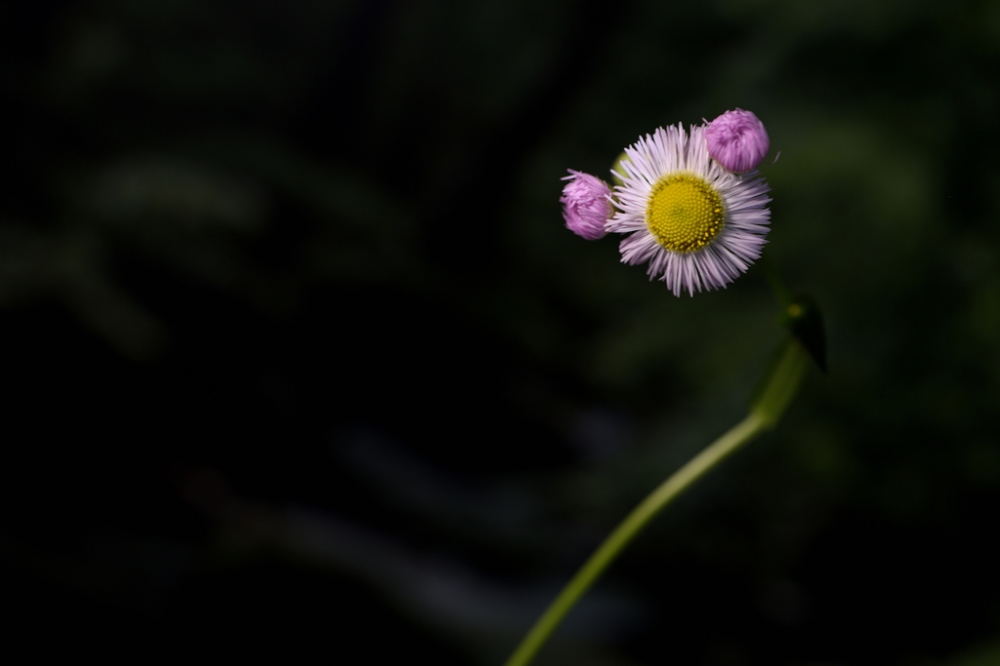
698	225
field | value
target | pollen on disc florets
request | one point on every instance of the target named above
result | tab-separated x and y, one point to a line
684	213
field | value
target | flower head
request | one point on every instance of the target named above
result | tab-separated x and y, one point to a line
586	204
698	225
737	140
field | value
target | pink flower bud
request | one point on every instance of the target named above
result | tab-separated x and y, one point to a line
737	140
586	204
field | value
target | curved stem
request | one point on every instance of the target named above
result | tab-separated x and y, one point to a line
716	452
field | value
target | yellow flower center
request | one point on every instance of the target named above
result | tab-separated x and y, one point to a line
684	212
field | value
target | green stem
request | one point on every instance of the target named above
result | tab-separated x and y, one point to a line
718	451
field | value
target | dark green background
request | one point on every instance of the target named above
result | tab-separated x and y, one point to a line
297	353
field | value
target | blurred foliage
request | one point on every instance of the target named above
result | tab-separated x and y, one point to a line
299	351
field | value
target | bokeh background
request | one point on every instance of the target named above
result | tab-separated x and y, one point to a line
298	355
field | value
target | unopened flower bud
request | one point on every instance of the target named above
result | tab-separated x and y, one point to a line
737	140
586	204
